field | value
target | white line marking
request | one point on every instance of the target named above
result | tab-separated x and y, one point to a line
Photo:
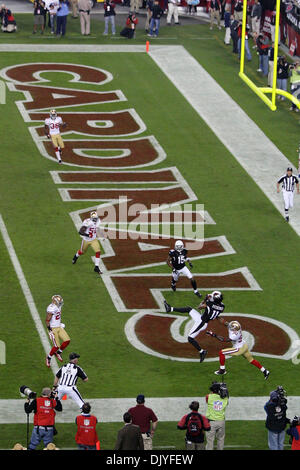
27	293
111	410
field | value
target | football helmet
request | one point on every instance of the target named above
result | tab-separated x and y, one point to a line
217	296
179	245
234	326
94	216
53	114
57	300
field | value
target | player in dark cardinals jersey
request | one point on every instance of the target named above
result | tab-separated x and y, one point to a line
212	306
176	260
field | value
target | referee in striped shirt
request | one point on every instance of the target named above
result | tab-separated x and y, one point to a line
288	182
66	378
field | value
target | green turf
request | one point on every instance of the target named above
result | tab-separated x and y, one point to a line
45	238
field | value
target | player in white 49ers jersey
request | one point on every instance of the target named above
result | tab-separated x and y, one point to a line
239	348
59	337
89	232
52	130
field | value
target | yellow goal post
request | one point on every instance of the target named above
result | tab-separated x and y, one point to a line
262	92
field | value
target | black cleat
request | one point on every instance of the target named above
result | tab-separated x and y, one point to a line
266	374
173	287
220	372
167	306
287	218
198	294
97	270
75	258
203	355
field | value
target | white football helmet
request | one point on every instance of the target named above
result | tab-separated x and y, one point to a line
53	114
179	245
94	216
234	326
217	295
57	300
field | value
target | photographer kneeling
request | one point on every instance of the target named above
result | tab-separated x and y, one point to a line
44	417
294	432
276	418
217	402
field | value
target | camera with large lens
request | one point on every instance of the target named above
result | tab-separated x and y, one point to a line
280	396
28	392
220	389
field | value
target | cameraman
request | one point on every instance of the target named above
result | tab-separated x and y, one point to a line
217	402
44	417
294	432
295	83
195	425
276	418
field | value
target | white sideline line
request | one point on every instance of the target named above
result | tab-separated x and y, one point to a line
111	410
27	293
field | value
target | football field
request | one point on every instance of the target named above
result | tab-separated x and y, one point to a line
150	136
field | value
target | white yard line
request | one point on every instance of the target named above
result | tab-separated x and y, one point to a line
27	293
111	410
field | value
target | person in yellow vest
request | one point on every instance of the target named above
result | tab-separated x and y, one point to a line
294	432
217	402
295	83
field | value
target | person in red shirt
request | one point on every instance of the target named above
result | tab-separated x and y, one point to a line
86	436
146	419
44	417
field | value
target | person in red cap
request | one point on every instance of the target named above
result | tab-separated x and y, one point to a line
146	419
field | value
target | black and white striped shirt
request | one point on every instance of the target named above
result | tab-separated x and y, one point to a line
288	182
69	373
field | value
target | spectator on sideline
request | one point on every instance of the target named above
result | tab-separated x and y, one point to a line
216	407
234	34
227	22
157	13
238	10
276	421
146	419
109	17
129	30
74	6
273	24
149	7
86	436
61	17
295	83
192	4
262	43
255	16
215	13
282	74
52	6
294	433
8	21
195	425
84	8
44	417
129	437
247	50
270	65
39	13
173	12
135	6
